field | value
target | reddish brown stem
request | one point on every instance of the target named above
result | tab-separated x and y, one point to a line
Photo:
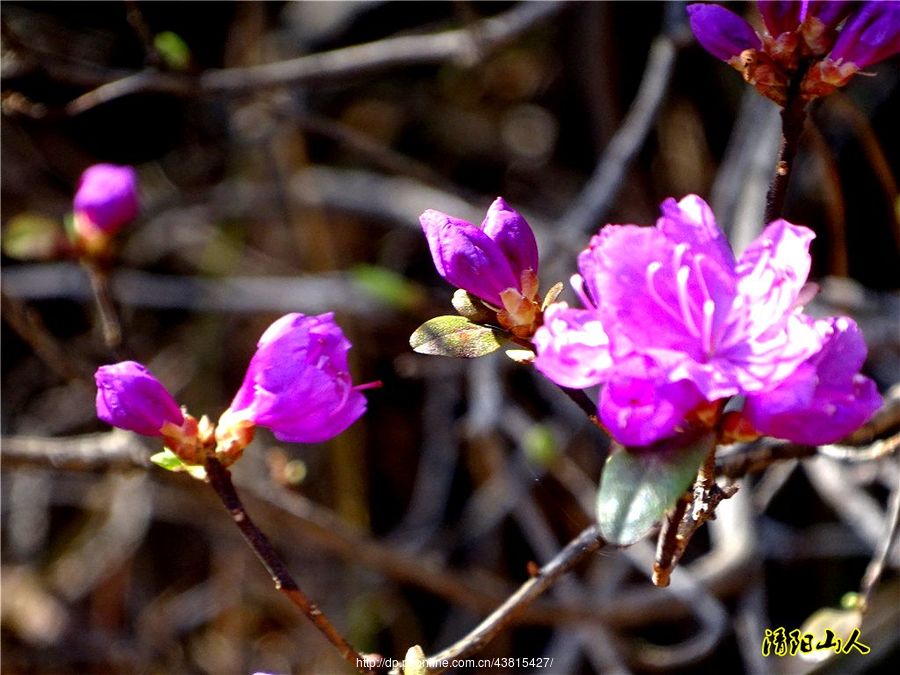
220	480
793	116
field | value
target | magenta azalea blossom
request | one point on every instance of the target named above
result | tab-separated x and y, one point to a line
486	260
106	198
130	397
672	319
825	398
298	384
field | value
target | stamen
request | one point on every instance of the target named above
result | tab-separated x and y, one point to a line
684	300
581	291
652	269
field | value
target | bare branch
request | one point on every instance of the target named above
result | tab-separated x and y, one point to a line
467	46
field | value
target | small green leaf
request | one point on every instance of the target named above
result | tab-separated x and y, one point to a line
31	236
455	336
387	286
471	307
169	461
173	50
638	486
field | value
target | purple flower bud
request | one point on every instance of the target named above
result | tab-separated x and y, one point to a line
870	35
483	261
106	198
298	384
825	398
129	397
721	32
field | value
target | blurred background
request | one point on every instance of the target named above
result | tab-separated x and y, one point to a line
263	196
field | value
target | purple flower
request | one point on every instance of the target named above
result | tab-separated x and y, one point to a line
129	397
721	32
298	384
825	398
484	261
106	199
672	319
870	35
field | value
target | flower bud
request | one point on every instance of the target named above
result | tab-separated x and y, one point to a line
484	261
870	35
721	32
106	200
298	384
130	397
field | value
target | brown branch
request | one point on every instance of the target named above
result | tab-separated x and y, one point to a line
468	46
757	456
585	544
793	115
220	479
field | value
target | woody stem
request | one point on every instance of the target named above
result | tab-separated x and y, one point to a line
220	480
793	116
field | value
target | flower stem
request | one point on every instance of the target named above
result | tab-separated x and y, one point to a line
793	116
220	480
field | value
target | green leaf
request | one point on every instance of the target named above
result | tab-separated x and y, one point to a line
472	308
387	286
173	50
169	461
455	336
639	485
31	236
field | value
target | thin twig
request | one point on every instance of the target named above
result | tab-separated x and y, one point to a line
220	480
876	566
106	309
585	544
30	328
596	197
467	46
755	457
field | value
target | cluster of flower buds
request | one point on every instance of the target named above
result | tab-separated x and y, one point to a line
496	263
821	43
106	201
297	385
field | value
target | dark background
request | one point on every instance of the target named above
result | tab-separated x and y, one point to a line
470	467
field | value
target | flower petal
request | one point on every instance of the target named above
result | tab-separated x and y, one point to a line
781	16
513	235
771	274
692	221
639	408
826	398
572	347
466	257
870	35
721	32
